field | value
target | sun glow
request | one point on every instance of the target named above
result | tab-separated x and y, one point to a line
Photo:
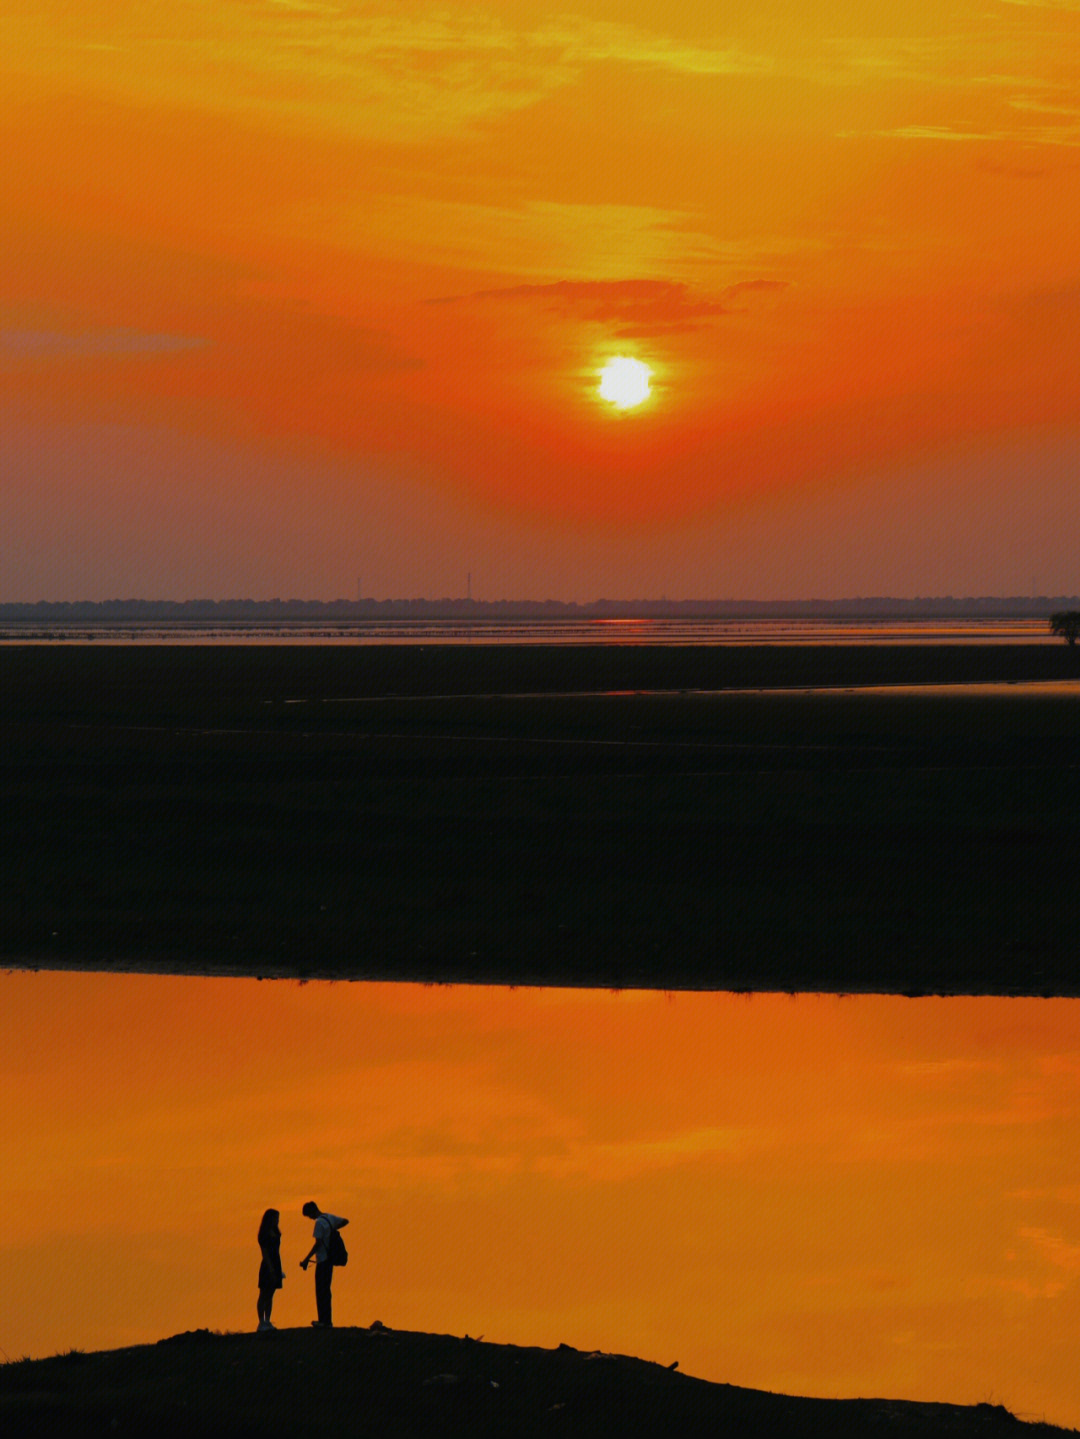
624	382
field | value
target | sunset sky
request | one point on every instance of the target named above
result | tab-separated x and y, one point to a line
295	294
860	1196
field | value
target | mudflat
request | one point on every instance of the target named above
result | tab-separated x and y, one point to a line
788	817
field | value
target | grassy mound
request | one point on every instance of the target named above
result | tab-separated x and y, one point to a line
377	1383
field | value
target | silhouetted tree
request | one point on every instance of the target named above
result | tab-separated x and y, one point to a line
1066	623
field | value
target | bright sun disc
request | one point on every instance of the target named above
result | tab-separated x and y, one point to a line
624	382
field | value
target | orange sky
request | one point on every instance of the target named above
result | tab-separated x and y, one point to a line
293	292
817	1195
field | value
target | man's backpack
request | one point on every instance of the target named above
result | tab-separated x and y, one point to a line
335	1248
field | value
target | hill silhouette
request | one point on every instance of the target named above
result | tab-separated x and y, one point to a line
376	1383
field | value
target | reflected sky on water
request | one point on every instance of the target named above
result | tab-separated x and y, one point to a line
546	632
865	1195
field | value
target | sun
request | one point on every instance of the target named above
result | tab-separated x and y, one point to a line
625	382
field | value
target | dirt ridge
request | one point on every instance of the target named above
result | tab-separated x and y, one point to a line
377	1382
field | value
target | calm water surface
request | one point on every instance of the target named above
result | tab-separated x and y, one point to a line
817	1195
546	632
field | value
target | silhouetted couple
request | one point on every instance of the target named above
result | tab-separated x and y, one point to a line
327	1251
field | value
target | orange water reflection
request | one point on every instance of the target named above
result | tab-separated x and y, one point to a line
824	1196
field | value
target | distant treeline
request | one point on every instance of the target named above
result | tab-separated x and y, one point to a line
860	607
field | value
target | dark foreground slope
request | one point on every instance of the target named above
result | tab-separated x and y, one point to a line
380	1384
729	818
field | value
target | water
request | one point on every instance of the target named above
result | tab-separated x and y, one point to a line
533	632
816	1195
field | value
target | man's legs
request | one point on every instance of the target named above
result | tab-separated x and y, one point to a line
324	1274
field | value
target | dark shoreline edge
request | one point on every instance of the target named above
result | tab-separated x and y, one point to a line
612	816
460	668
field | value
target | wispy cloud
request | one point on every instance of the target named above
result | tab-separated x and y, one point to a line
629	307
947	1069
1040	107
587	41
1064	136
928	132
1013	171
384	72
1069	5
1030	136
627	1159
92	344
1061	1194
1056	1250
569	40
982	56
923	60
536	241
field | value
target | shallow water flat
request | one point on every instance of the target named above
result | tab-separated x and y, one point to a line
615	631
642	818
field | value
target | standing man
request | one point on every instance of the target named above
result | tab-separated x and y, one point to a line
325	1225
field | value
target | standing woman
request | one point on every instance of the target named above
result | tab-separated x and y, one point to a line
271	1276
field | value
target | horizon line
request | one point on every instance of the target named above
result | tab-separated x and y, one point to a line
715	602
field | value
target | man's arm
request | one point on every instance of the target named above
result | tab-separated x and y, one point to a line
322	1219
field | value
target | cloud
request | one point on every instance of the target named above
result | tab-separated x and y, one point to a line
1040	107
328	343
745	288
928	132
924	60
1069	5
582	42
531	240
979	56
629	307
1054	1249
1060	1194
629	1159
382	71
570	42
1014	172
1060	127
374	70
91	344
947	1069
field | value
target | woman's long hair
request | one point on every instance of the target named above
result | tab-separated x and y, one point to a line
268	1225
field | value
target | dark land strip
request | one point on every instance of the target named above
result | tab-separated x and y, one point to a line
382	1384
614	816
